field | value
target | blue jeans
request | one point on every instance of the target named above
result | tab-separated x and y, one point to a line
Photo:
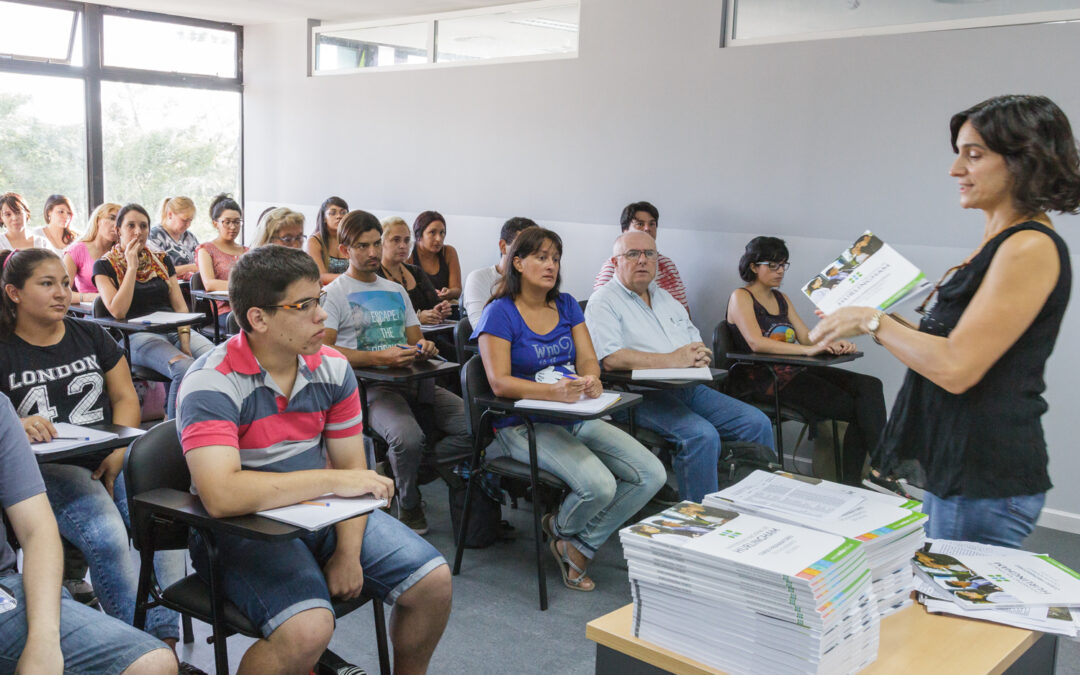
97	525
696	419
270	582
611	476
155	350
90	642
1002	522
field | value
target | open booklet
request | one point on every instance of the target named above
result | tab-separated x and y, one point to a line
71	436
166	317
869	273
322	511
704	374
585	405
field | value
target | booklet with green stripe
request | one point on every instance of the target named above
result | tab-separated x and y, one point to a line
869	273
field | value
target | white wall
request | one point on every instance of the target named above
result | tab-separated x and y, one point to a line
814	142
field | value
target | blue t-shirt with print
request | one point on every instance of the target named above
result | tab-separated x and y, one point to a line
542	358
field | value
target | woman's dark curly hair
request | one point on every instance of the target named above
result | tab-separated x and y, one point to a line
1037	142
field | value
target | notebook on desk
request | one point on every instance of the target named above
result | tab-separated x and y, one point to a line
322	511
70	436
585	406
703	374
166	317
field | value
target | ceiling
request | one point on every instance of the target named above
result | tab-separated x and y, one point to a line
247	12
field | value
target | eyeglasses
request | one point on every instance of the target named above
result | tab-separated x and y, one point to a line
922	308
232	222
774	266
292	239
302	306
635	254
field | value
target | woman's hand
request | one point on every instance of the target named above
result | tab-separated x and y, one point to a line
843	323
842	347
131	254
593	387
443	293
568	390
443	309
38	429
428	317
109	469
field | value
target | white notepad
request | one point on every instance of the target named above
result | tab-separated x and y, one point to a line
166	317
322	511
704	374
585	405
81	436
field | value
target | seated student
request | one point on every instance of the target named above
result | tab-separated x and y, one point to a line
481	283
174	237
57	230
768	323
135	281
80	256
14	216
396	244
247	453
636	324
280	226
644	217
369	320
324	243
57	369
216	258
46	631
438	260
534	344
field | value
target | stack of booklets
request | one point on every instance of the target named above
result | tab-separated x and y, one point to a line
890	527
1003	585
746	594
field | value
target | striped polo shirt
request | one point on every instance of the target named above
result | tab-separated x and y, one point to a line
667	276
228	399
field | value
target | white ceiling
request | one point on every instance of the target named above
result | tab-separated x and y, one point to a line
247	12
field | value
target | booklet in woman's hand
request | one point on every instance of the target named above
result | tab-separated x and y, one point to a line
869	273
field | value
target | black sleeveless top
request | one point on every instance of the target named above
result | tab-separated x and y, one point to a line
987	442
441	278
748	378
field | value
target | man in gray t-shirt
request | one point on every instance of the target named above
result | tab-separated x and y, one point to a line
41	634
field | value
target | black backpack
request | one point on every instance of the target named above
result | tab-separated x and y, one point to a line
738	460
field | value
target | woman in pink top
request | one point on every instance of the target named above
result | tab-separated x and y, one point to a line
216	258
79	257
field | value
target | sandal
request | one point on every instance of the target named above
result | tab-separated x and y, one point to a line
562	558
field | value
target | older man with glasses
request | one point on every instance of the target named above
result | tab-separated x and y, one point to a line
634	323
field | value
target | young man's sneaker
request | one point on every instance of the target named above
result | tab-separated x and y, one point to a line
82	591
413	518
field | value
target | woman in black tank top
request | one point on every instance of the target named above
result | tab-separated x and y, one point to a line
970	406
430	251
764	321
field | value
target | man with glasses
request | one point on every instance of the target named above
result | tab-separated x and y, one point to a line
636	324
372	322
644	217
261	418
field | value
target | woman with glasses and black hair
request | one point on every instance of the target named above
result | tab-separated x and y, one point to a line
970	406
766	322
216	258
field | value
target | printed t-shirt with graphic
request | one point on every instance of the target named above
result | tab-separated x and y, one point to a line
64	382
20	478
368	316
543	358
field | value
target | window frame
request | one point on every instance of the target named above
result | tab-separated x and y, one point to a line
432	21
93	72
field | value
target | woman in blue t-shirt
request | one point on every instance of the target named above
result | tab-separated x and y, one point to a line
58	369
534	344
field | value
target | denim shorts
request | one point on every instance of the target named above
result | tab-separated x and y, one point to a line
91	642
270	582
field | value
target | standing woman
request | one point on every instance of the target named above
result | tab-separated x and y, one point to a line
217	257
174	237
88	383
534	344
134	281
397	241
14	215
438	261
767	322
79	257
324	243
57	229
970	406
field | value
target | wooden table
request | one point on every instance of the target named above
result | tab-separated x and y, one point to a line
913	642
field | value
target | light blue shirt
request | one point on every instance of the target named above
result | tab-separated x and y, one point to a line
618	318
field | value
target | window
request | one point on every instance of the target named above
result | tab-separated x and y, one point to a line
763	21
524	31
106	104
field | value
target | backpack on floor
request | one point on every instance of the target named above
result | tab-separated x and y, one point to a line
485	520
738	460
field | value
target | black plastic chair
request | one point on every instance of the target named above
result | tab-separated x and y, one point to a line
544	484
162	510
463	342
207	307
724	344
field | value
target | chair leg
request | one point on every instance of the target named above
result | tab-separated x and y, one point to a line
538	532
778	418
189	635
838	452
217	607
146	569
380	637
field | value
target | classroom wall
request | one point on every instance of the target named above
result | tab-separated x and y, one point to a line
814	142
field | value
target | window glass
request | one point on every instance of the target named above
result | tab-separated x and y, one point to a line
41	33
43	142
169	47
170	141
528	32
350	49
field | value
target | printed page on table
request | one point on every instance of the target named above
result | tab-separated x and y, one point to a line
869	273
70	436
